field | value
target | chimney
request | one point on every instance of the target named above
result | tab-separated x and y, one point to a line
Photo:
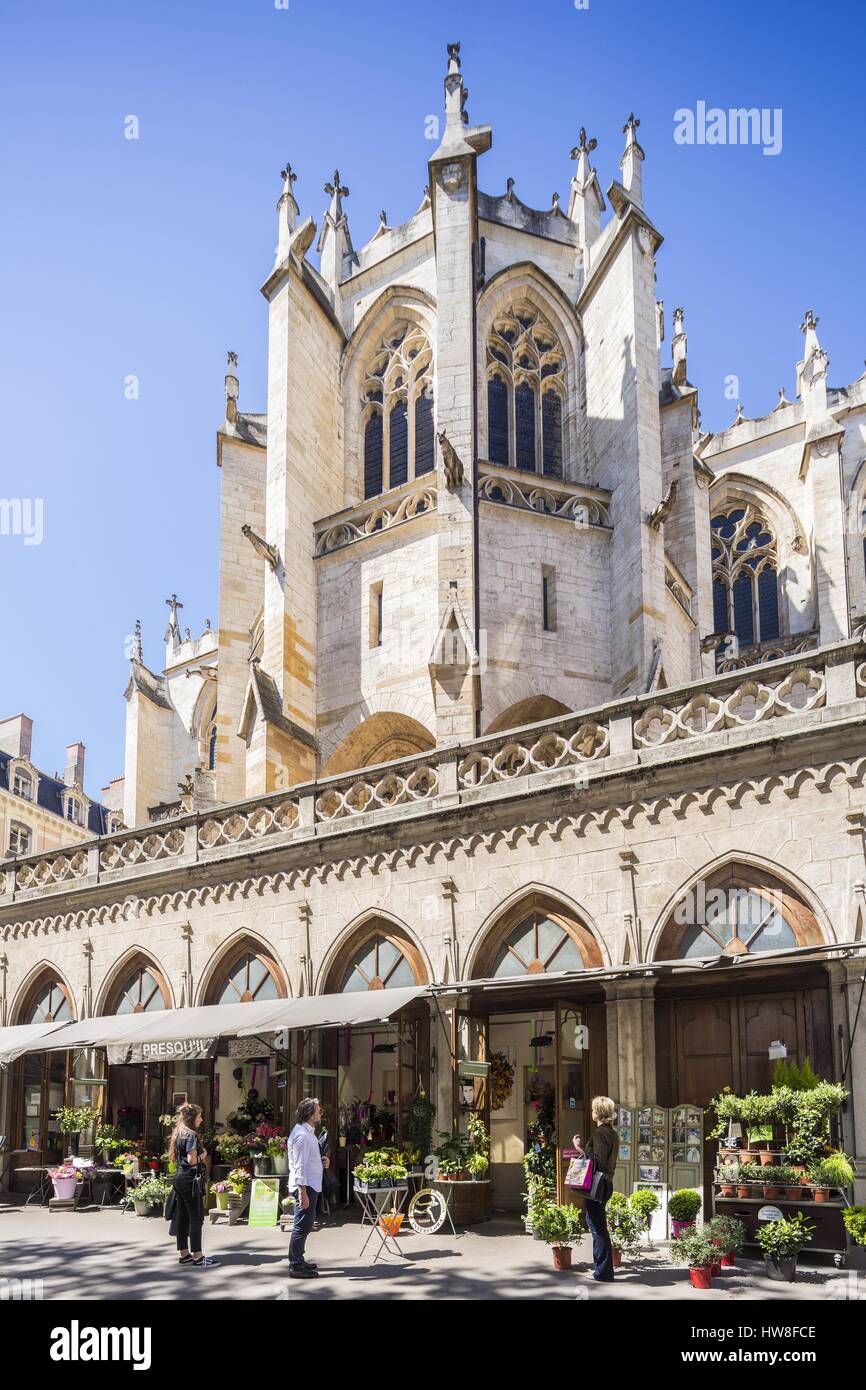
16	736
74	774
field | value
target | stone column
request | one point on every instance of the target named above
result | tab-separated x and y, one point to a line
631	1049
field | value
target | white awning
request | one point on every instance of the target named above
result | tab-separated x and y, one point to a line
163	1025
24	1037
333	1010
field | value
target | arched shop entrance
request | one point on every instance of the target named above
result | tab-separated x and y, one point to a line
137	1094
245	1072
39	1086
367	1075
529	1040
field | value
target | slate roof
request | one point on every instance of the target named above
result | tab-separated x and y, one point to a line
49	796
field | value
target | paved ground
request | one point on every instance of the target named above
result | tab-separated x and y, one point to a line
97	1254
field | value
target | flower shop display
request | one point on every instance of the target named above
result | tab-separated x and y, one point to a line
644	1202
781	1242
833	1171
419	1122
558	1226
150	1194
501	1078
683	1207
380	1168
477	1165
729	1234
64	1179
231	1147
727	1176
696	1248
74	1120
107	1141
854	1219
624	1224
278	1152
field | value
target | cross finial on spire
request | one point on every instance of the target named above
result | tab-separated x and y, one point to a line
232	359
174	604
809	322
631	126
583	146
288	175
453	57
335	188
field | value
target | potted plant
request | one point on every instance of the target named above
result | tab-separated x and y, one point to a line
644	1202
72	1120
64	1179
855	1224
834	1171
150	1194
727	1176
278	1146
729	1234
222	1191
558	1227
696	1249
477	1165
683	1207
781	1242
771	1180
231	1148
624	1225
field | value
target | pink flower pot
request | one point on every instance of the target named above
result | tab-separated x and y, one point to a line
677	1227
64	1188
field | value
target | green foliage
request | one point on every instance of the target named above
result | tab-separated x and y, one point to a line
833	1171
478	1136
784	1238
152	1189
728	1231
74	1119
477	1164
695	1248
419	1123
855	1223
776	1174
644	1202
788	1074
231	1147
750	1172
624	1223
684	1205
557	1225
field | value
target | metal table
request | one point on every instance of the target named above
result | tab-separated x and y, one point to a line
378	1202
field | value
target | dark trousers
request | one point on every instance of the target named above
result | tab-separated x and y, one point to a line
190	1211
302	1227
602	1250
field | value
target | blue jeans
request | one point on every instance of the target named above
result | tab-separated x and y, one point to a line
302	1227
602	1250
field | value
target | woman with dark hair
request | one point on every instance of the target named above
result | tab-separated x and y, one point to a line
186	1150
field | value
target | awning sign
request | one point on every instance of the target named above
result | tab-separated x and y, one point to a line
176	1050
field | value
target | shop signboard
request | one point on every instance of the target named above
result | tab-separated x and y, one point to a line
264	1202
172	1050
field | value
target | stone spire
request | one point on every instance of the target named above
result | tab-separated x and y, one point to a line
678	349
585	204
631	161
334	240
459	138
287	213
232	388
172	633
812	370
137	649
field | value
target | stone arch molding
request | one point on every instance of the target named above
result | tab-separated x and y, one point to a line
526	283
747	861
355	930
228	950
406	706
519	690
43	969
116	971
508	906
397	302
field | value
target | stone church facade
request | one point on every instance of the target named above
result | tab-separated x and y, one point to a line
514	667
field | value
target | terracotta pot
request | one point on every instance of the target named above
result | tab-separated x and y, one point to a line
821	1194
700	1278
561	1256
771	1191
727	1261
728	1189
794	1194
767	1157
744	1191
617	1259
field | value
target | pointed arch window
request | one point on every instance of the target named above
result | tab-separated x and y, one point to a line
538	944
212	743
141	993
251	977
398	392
378	964
50	1004
745	576
526	391
737	921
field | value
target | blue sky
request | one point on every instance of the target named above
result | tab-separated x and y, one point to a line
144	258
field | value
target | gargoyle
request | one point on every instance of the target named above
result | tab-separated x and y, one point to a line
261	547
453	464
663	510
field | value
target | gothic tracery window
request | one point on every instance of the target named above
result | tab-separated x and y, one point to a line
50	1005
378	964
249	978
537	945
397	398
736	921
745	576
525	392
141	993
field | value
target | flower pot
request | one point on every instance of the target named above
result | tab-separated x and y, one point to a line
677	1227
767	1157
222	1200
142	1208
64	1188
782	1267
262	1167
728	1189
281	1163
770	1191
700	1278
821	1194
73	1140
617	1259
794	1194
727	1261
153	1165
716	1270
561	1256
743	1190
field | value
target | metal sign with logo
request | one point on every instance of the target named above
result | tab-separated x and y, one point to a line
177	1050
427	1211
769	1214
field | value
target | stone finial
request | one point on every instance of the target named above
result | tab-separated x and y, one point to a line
289	177
812	370
456	95
632	160
232	387
581	152
174	604
678	348
453	57
509	190
809	322
337	192
287	212
137	650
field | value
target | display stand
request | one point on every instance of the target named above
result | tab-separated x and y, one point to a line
376	1203
660	1149
830	1236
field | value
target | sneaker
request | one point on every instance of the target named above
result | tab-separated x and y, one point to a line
310	1264
204	1263
303	1273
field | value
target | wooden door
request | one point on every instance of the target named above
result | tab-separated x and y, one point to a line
707	1055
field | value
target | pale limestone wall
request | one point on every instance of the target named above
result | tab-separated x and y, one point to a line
679	643
47	831
506	246
854	472
572	664
149	772
242	586
413	266
687	529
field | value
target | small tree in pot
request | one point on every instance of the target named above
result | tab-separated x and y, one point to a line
696	1249
644	1202
558	1226
683	1207
855	1224
781	1242
729	1234
624	1224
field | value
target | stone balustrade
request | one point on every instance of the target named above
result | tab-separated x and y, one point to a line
793	694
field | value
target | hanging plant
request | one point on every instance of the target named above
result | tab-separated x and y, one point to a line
501	1079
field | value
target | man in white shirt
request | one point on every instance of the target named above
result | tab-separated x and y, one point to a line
305	1183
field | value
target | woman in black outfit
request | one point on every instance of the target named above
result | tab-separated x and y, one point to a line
602	1147
185	1149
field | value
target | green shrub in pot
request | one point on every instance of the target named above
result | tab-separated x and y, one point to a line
683	1205
783	1240
855	1224
728	1232
833	1171
624	1223
694	1248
